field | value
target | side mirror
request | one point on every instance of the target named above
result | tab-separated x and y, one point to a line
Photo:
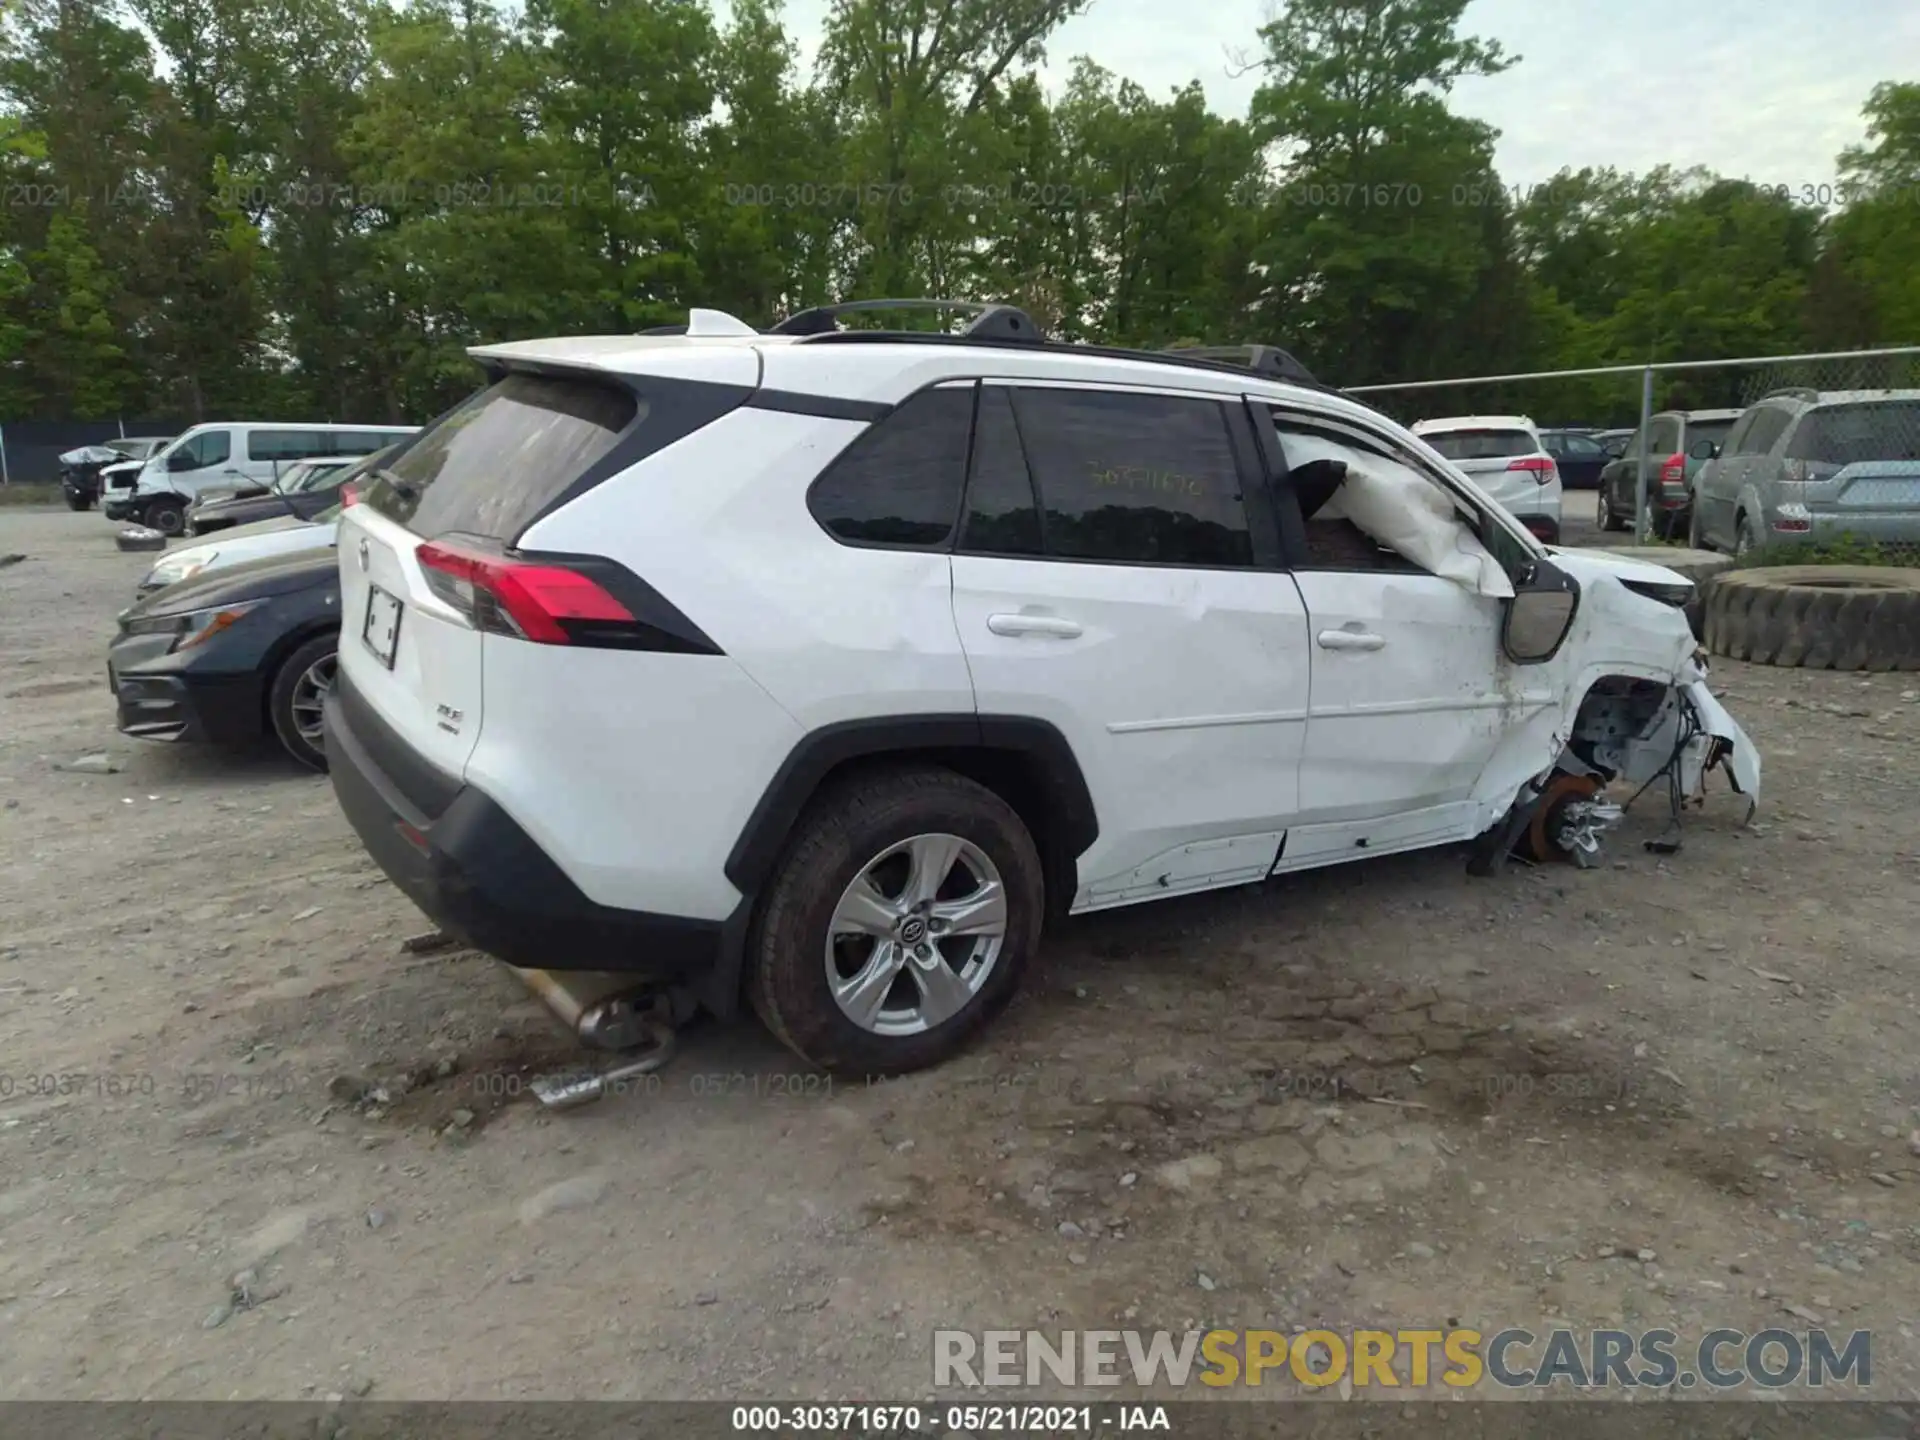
1539	615
1703	450
181	460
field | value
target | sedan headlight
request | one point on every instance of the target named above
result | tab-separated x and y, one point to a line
191	627
173	571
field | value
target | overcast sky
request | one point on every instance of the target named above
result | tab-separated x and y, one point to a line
1768	90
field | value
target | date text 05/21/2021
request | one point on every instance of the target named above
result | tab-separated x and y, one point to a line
950	1420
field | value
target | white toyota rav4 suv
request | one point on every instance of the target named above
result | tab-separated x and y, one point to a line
813	667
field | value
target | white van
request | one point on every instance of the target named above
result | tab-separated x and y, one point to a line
234	457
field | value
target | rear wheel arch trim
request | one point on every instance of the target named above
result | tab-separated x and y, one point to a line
757	850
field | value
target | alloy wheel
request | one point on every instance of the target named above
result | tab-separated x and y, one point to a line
916	934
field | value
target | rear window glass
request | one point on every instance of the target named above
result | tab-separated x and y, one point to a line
1849	434
502	456
1714	430
1480	444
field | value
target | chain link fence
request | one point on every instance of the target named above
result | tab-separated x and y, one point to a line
1782	459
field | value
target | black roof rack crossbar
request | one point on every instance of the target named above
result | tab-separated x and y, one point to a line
1793	392
1261	359
679	329
990	322
1192	357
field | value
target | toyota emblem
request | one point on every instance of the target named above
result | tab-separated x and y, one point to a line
365	556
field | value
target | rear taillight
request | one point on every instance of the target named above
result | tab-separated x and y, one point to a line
528	599
1541	468
349	495
1673	471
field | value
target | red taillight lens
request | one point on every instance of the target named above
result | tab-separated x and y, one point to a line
1673	470
1539	466
530	600
349	495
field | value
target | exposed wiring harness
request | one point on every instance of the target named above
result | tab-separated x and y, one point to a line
1690	729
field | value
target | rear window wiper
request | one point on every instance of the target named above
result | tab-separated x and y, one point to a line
405	489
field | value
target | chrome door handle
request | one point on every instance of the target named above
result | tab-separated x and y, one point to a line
1350	640
1033	625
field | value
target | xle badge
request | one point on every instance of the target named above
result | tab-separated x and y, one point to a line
450	718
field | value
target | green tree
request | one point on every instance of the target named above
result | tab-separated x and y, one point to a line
1376	232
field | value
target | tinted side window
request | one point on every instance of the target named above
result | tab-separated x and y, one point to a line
210	447
358	442
1149	479
1735	443
1767	427
1581	447
1002	517
900	482
285	444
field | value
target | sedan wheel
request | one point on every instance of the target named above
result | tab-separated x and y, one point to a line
296	703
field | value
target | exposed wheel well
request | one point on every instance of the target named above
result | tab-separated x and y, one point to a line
1017	777
1028	763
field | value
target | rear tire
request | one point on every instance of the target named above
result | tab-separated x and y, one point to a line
1609	520
79	502
1746	537
830	929
167	516
293	703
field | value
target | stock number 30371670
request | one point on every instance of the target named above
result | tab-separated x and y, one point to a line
948	1420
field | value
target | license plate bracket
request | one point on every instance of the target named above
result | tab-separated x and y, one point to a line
380	632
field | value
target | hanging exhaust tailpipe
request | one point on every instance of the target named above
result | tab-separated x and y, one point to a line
606	1012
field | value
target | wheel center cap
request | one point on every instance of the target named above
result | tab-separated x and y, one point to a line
913	930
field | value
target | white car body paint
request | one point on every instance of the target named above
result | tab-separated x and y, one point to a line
283	535
1221	737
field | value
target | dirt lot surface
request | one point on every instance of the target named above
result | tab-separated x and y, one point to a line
1679	1091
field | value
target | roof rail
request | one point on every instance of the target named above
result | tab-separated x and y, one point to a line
990	322
1268	360
1793	392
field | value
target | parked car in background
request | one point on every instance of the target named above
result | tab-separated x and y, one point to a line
232	656
81	470
1509	459
1677	443
303	492
286	535
233	456
1614	442
1804	465
1579	455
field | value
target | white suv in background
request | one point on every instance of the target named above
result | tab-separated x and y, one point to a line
1506	455
813	667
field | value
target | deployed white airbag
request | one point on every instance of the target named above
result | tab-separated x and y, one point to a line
1411	516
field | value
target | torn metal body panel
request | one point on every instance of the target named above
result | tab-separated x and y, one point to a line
1626	701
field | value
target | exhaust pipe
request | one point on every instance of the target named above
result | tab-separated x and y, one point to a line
606	1012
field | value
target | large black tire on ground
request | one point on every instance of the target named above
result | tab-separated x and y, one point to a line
847	824
1818	617
79	502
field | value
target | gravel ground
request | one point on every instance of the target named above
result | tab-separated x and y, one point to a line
1675	1090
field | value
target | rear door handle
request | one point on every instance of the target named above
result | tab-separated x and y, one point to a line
1033	625
1351	640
